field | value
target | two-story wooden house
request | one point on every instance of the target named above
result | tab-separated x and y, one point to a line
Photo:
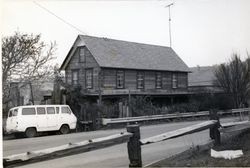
113	68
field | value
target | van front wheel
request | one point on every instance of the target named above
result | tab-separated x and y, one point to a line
64	129
30	132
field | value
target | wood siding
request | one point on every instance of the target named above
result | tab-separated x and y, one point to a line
75	64
109	80
107	76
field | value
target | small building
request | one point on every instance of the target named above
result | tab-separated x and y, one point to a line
202	89
201	79
115	70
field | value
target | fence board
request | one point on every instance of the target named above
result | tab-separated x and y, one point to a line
230	124
65	150
179	132
106	121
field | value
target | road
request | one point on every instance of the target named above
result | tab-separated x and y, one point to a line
115	156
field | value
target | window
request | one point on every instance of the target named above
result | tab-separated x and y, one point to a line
89	78
10	113
68	79
158	80
40	110
140	80
28	111
50	110
120	79
174	80
82	54
75	77
13	113
66	110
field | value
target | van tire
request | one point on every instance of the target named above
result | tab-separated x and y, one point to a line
64	129
30	132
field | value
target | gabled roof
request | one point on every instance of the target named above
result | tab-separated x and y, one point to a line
130	55
201	76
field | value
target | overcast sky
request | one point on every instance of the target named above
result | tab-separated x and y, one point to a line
204	32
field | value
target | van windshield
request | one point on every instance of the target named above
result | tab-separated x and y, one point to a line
13	113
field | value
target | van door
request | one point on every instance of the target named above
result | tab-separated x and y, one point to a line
51	118
11	122
41	119
28	118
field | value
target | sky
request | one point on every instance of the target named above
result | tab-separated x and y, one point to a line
204	32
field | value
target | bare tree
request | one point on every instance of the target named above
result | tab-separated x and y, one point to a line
26	59
234	78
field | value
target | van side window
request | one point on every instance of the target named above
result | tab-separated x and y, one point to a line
50	110
66	110
40	110
57	110
28	111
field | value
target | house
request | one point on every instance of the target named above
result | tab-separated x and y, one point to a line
108	69
22	93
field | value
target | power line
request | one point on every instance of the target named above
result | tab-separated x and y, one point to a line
64	21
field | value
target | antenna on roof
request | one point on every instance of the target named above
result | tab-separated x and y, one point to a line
169	19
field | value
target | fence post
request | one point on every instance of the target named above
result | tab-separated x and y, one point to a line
134	146
214	131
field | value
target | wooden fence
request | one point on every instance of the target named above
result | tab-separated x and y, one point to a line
106	121
132	137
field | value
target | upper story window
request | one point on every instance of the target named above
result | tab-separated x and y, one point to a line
140	80
158	80
82	54
89	78
174	80
75	77
67	77
120	79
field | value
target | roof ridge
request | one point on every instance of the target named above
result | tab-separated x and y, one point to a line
125	41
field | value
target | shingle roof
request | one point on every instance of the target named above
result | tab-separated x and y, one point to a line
201	76
131	55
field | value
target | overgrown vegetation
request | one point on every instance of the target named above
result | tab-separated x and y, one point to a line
25	59
234	78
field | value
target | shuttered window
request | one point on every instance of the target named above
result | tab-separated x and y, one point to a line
82	54
75	76
89	78
158	80
174	80
140	80
120	79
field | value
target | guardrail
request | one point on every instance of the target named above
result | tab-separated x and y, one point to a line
106	121
134	147
65	150
132	137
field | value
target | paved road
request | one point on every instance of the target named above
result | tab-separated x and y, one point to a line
115	156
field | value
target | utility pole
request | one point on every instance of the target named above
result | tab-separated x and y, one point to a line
169	19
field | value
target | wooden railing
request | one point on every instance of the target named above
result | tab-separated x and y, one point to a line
65	150
106	121
132	137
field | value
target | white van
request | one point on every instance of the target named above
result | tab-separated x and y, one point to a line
40	118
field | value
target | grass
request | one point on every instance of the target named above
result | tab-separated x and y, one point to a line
197	157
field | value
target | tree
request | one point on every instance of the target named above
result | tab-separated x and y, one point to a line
26	59
234	79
